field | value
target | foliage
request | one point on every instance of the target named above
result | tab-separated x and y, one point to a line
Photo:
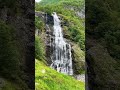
79	60
39	48
9	55
67	11
102	18
39	24
45	2
49	79
74	30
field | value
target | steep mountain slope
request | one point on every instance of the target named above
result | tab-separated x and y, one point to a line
72	21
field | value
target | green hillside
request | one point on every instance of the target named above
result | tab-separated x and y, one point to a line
46	2
74	31
49	79
73	25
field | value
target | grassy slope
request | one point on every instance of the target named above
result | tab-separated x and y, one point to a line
52	80
49	1
45	2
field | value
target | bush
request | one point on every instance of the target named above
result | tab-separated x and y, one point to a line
39	49
39	24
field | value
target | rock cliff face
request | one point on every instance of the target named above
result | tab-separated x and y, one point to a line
46	34
20	15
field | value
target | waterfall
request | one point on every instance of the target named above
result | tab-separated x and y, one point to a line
61	57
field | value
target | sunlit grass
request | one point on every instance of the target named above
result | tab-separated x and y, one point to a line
48	79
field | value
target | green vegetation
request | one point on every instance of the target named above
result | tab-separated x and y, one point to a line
13	49
49	79
39	48
103	21
46	2
39	42
71	22
79	60
74	30
103	44
10	56
39	24
8	52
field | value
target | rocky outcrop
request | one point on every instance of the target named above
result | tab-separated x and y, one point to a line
46	35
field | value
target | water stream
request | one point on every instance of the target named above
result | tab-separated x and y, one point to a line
61	57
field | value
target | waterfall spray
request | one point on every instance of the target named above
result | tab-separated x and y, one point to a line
61	58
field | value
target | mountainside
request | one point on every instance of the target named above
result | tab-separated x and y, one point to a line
71	16
49	2
71	20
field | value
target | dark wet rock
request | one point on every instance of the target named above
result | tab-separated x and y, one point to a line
48	19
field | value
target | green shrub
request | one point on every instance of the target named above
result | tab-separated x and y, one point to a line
39	48
39	24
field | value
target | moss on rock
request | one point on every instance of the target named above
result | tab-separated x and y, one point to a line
78	59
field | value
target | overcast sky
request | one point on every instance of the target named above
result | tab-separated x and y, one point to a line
37	0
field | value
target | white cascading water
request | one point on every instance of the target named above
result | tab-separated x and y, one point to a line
61	58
